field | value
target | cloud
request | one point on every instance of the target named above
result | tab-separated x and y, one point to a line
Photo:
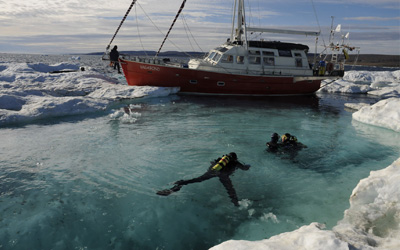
372	18
378	3
59	26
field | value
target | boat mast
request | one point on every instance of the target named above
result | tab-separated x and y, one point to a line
233	20
241	22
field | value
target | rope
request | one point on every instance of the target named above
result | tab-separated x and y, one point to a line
316	17
159	28
140	37
172	25
122	21
187	29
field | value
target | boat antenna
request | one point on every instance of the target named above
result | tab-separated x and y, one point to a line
172	25
122	21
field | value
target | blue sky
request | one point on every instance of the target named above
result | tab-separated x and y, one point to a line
59	26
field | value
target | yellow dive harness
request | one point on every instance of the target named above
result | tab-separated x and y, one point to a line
222	163
289	138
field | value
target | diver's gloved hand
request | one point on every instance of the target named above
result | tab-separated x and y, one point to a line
246	166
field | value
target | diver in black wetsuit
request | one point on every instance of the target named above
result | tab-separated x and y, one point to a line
273	144
221	168
288	145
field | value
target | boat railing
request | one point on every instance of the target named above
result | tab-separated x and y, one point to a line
166	61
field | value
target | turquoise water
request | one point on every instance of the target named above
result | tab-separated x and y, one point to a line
89	182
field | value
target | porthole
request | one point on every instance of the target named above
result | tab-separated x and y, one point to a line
193	81
221	84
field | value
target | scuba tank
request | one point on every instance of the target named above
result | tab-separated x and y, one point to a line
221	163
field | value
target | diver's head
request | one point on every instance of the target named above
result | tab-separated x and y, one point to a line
285	137
274	137
232	155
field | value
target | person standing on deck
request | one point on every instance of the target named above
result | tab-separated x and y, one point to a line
114	56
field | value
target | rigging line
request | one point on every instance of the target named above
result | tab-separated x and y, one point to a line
316	17
172	25
140	37
186	30
122	21
191	34
150	19
176	46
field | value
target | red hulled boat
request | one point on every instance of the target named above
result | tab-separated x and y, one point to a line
242	67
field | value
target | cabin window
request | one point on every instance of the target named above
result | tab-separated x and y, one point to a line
296	54
217	57
254	59
211	55
240	59
222	49
268	53
254	52
269	61
285	53
299	62
227	59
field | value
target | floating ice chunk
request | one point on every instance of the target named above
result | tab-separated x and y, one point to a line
356	106
343	86
44	68
270	216
385	113
361	82
244	204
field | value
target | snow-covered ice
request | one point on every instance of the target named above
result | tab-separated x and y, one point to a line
29	91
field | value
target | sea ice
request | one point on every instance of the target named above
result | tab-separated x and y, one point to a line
385	113
29	91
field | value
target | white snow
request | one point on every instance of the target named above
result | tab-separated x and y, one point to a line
29	92
383	84
385	113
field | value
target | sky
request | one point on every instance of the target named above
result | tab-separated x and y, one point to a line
77	26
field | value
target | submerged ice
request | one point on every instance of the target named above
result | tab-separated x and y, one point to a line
30	92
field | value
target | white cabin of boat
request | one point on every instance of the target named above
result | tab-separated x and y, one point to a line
242	56
257	58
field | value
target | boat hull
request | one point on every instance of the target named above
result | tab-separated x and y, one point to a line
207	82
